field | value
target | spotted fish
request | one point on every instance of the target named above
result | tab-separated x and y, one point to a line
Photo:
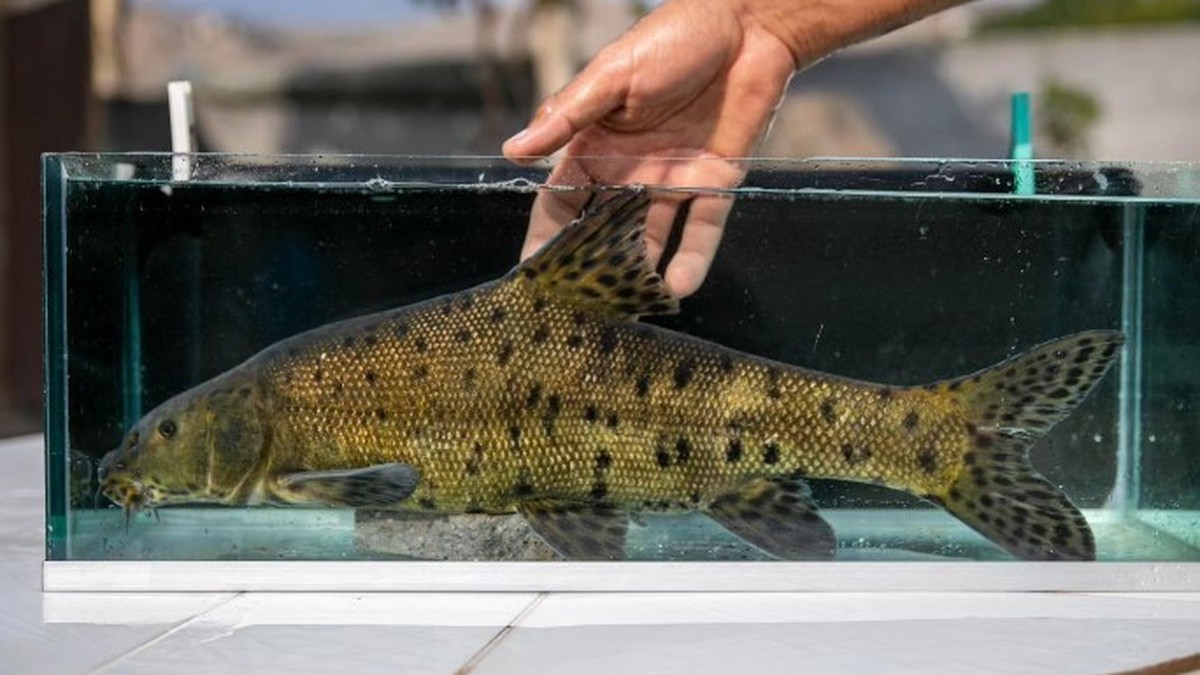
540	393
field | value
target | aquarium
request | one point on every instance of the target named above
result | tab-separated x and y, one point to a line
163	272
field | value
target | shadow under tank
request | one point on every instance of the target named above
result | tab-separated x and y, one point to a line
899	272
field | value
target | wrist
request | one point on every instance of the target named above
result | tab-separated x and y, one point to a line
813	29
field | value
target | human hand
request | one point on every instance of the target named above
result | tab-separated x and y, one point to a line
690	87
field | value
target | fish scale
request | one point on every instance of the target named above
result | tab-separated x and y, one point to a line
540	393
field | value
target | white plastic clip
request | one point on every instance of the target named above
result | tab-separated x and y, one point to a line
183	120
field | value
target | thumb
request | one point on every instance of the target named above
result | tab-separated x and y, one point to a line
594	93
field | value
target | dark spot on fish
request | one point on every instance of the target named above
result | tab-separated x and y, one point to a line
514	434
371	339
627	307
427	503
827	411
529	272
927	459
575	341
982	441
725	362
683	450
348	342
381	414
662	457
420	371
684	371
504	353
244	392
607	280
590	413
469	376
855	455
535	395
293	352
911	420
885	393
603	460
773	383
475	463
771	454
447	307
463	335
599	490
1058	393
524	485
421	344
608	339
318	375
643	385
625	292
612	421
589	292
541	334
553	408
539	304
733	453
474	508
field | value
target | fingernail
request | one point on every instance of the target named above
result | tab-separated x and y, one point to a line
518	137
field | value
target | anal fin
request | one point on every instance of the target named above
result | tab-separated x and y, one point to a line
778	516
378	486
578	531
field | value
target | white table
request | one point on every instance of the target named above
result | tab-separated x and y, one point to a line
485	633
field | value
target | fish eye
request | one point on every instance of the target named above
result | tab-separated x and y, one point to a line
167	428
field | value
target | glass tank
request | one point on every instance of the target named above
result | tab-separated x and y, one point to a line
271	359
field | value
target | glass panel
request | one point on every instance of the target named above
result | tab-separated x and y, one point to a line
896	272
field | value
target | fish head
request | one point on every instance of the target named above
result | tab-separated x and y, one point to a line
200	446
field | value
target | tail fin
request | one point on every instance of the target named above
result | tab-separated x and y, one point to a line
1008	407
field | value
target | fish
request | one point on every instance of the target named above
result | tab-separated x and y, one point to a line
541	393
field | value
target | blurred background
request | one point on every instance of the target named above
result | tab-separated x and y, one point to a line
1110	79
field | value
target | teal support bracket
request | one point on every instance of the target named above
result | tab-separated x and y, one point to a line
1021	144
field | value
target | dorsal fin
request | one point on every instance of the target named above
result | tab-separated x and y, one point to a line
598	262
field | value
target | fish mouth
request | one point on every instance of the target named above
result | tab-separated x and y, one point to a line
132	496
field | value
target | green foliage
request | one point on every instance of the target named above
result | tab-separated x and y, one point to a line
1066	115
1072	13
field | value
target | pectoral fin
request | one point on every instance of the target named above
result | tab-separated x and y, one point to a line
578	531
379	486
777	516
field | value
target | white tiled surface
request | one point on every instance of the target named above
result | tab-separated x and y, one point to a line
487	634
